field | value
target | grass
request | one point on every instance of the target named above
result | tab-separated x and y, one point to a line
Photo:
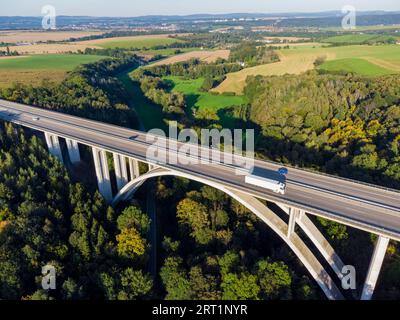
202	100
364	28
65	62
355	65
138	43
370	60
29	77
358	38
150	115
32	70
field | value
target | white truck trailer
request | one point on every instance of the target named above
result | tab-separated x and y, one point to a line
259	179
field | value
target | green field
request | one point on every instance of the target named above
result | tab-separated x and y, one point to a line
202	100
32	70
355	65
65	62
358	39
364	28
139	43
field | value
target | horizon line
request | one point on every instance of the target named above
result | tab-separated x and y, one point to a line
204	14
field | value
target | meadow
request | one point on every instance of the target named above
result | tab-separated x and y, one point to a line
34	69
358	38
365	60
202	100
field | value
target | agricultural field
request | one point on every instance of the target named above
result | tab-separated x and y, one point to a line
206	56
44	48
369	61
359	39
286	39
202	100
355	65
34	69
138	42
365	28
164	52
35	36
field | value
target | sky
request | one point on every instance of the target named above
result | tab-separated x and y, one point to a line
131	8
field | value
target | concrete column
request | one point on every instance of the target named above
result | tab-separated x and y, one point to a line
318	240
73	150
53	145
374	268
102	173
121	172
134	168
294	215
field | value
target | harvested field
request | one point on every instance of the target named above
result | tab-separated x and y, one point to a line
206	56
50	48
133	42
360	59
37	36
291	63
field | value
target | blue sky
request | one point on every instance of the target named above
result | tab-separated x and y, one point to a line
168	7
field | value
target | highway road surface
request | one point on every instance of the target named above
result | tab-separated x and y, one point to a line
363	206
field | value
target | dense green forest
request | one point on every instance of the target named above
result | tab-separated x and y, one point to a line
45	218
344	125
251	54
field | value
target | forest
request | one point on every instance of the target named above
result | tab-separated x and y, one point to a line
46	218
345	125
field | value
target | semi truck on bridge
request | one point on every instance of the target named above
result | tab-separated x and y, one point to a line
267	179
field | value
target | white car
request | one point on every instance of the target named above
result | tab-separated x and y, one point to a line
35	118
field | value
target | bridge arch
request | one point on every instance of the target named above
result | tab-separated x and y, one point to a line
280	227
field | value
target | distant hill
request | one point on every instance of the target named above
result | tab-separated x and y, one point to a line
296	19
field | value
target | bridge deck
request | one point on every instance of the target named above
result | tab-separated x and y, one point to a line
359	205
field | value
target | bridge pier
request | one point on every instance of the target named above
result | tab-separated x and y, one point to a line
133	168
121	172
318	239
294	215
102	173
73	150
374	268
53	144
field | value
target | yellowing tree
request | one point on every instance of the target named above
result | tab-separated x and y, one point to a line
130	243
